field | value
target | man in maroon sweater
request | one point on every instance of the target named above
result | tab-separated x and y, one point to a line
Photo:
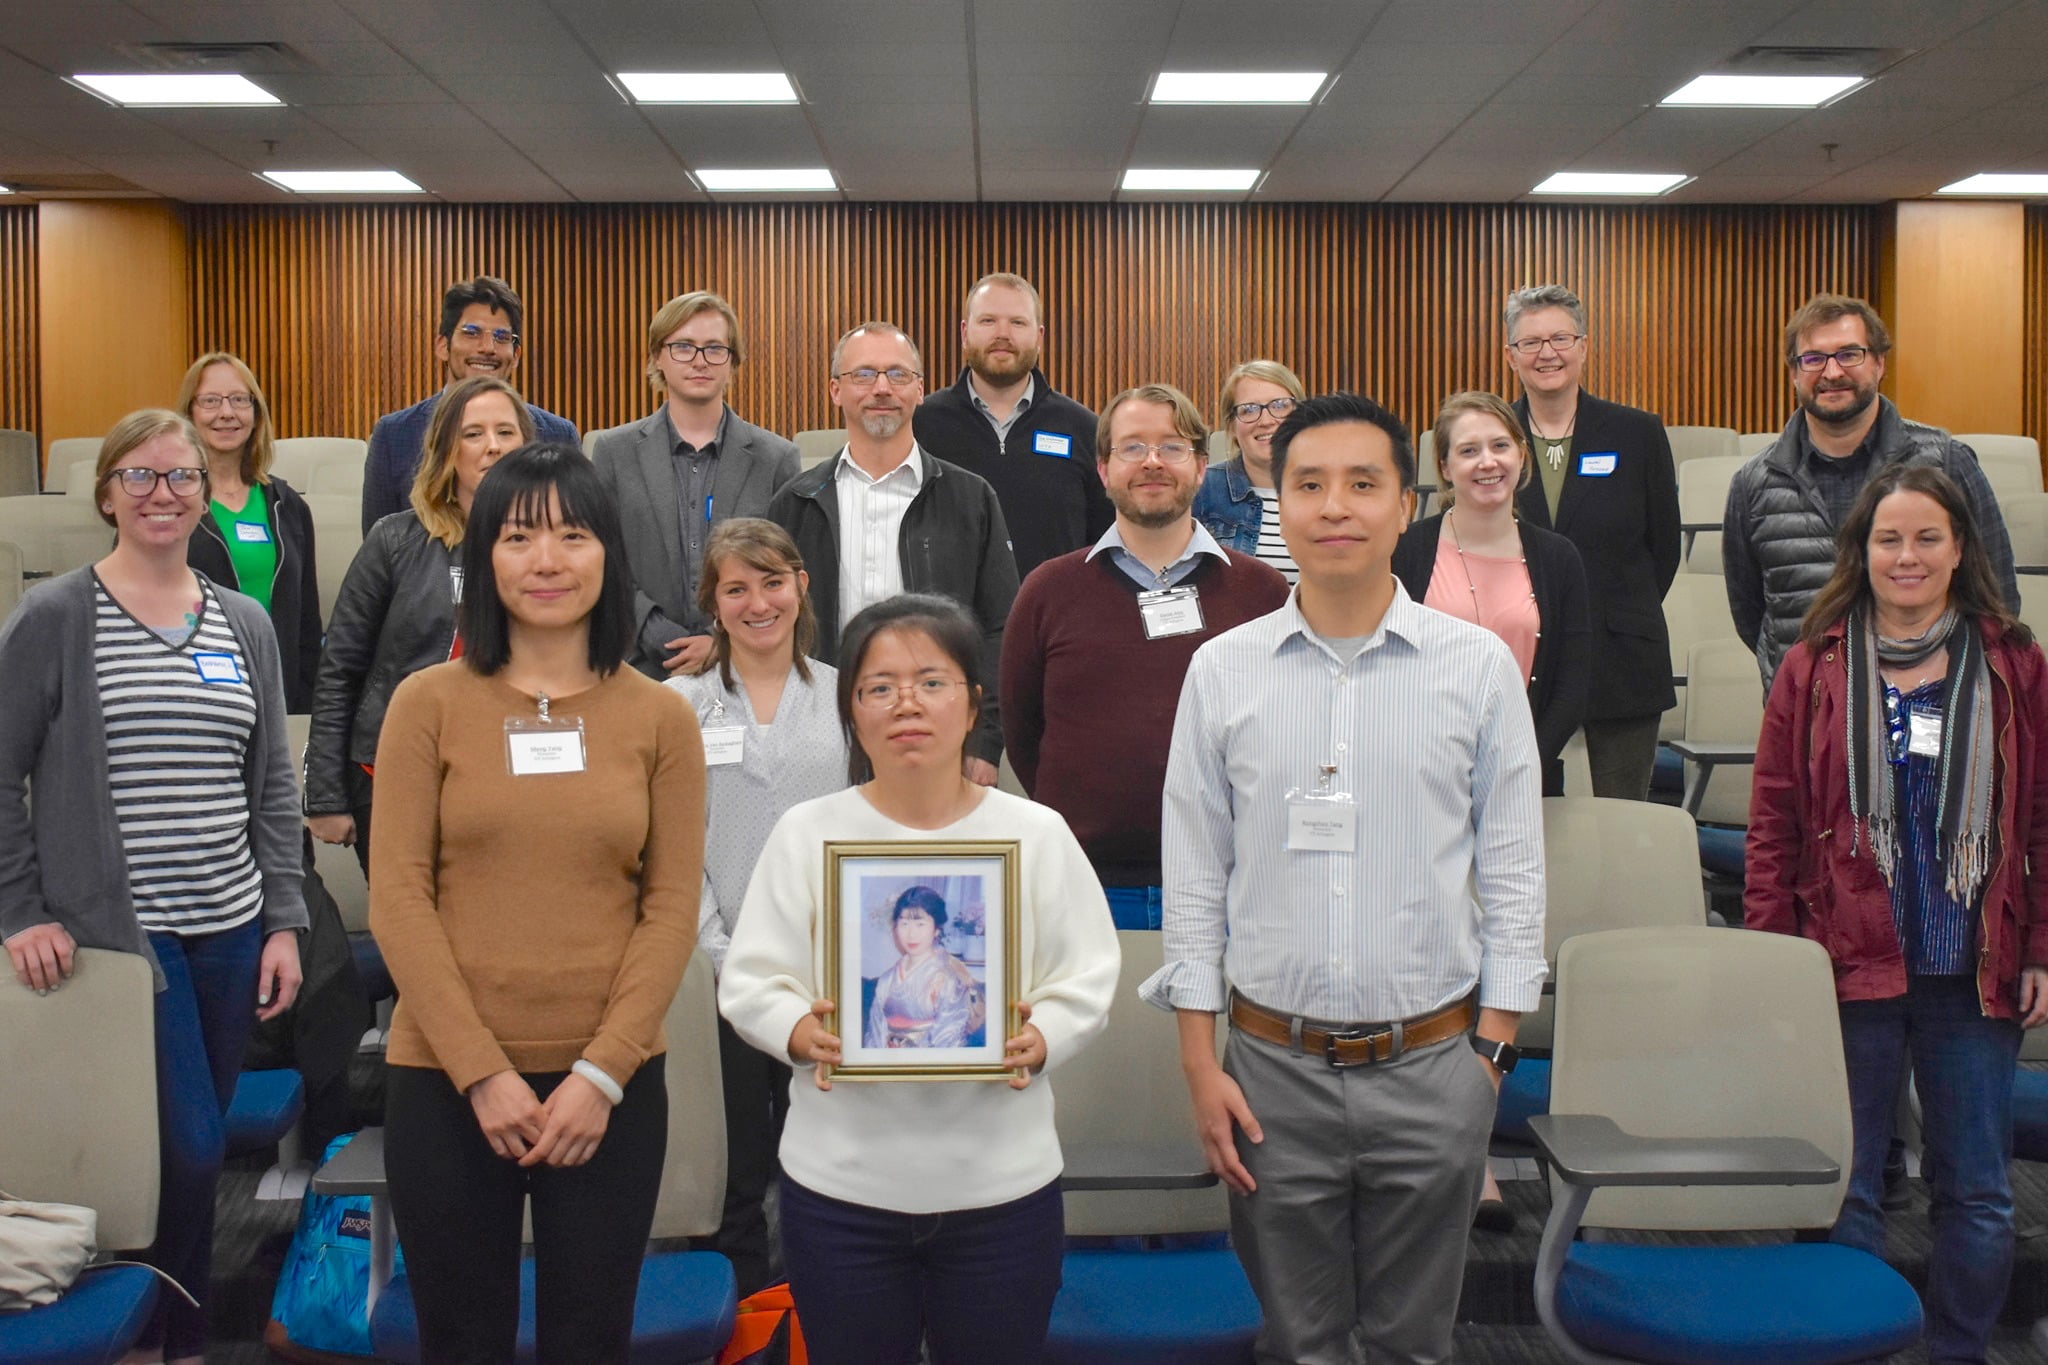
1099	640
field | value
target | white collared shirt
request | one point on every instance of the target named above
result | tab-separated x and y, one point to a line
871	529
1443	889
1199	544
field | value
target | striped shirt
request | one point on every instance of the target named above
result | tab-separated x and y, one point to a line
178	722
871	515
1442	887
1937	933
1272	549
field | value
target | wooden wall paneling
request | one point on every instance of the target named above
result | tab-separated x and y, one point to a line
1958	323
2034	287
20	321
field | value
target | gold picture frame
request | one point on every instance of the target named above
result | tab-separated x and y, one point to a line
911	1012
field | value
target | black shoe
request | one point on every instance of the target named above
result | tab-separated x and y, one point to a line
1493	1216
1897	1193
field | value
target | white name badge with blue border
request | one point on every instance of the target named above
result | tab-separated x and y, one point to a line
1598	465
252	533
217	668
1052	443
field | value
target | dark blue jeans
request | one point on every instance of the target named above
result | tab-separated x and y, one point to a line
1134	907
1963	1064
869	1283
203	1018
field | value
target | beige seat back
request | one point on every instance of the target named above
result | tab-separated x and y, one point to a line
310	451
1611	864
1695	609
1751	444
1221	449
2034	603
1126	1088
692	1198
21	470
817	446
1709	1033
337	535
1990	446
2011	474
2026	522
65	452
335	477
1724	703
1703	443
80	1080
339	871
1703	486
10	578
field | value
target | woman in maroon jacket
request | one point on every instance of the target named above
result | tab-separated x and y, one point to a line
1901	791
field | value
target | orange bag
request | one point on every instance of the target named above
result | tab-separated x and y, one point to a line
766	1331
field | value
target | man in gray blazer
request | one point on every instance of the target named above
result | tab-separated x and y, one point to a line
692	463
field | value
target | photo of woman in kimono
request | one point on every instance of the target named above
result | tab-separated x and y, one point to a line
928	998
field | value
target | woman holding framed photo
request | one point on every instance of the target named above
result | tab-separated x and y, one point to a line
920	1212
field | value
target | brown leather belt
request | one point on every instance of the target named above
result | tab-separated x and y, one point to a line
1353	1045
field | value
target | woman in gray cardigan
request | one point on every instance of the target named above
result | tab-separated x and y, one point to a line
146	722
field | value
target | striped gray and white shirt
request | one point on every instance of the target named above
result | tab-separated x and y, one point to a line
1272	548
179	720
871	513
1443	886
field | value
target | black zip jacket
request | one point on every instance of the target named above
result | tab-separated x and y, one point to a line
294	587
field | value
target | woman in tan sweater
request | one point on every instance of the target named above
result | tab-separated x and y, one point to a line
534	887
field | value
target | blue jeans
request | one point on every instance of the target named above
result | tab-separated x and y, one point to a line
1134	907
203	1018
1963	1064
869	1283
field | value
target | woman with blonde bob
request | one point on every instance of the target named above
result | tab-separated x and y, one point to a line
258	535
1237	501
126	678
395	611
773	740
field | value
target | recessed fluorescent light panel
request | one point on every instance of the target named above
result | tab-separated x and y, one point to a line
731	182
1998	184
342	182
1602	182
1136	179
1237	87
1763	92
170	91
709	87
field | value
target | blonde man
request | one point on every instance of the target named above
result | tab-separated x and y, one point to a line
682	469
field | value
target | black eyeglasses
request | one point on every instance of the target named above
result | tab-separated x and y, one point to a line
1559	341
686	351
1849	357
140	483
504	336
1249	412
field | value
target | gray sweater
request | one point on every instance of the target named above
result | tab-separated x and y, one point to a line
60	858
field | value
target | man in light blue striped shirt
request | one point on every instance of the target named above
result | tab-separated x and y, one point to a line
1353	862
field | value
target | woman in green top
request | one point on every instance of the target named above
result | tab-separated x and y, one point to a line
259	538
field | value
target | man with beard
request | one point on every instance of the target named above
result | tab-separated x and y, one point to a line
1133	607
1002	420
479	334
886	517
1784	506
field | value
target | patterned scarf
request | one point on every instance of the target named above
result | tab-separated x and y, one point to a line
1966	747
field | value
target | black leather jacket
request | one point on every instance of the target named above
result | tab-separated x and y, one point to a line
393	615
294	589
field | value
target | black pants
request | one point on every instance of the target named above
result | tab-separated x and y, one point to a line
458	1205
756	1090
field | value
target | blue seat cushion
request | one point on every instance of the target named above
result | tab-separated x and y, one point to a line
96	1321
265	1106
683	1312
1792	1304
2030	1115
1524	1093
1190	1307
1667	774
370	969
1721	850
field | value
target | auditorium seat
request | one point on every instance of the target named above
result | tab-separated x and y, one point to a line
2034	603
54	534
1703	498
817	446
2030	1127
11	583
1699	1091
1751	444
2026	522
337	535
1703	443
337	477
21	470
265	1113
1724	711
2012	465
1695	609
65	452
343	877
1134	1170
80	1068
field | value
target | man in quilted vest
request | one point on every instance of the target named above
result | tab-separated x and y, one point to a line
1778	541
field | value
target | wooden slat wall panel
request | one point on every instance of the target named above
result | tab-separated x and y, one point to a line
334	305
2034	400
20	377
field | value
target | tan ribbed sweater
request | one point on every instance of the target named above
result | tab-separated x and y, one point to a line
530	921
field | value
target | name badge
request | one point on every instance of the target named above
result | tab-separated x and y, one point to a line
724	746
1923	735
252	533
1171	611
217	668
455	583
1052	443
1321	825
534	753
1599	464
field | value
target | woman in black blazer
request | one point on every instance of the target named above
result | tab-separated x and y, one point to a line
1604	482
1477	561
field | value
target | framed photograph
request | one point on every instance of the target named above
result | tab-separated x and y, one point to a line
921	958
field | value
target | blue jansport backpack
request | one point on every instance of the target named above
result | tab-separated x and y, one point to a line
323	1290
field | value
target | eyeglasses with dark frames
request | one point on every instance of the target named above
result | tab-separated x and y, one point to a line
1249	412
1849	358
140	483
866	376
211	402
1556	341
683	352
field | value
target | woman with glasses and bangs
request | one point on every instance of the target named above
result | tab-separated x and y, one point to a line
534	888
1897	819
258	535
919	1211
1237	501
126	678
